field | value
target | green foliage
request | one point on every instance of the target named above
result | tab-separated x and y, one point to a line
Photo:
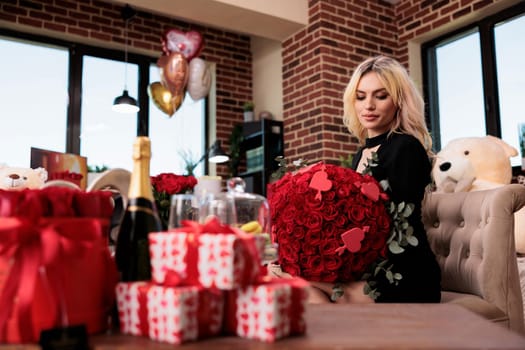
236	139
97	168
248	106
401	235
522	140
284	166
337	292
346	162
189	163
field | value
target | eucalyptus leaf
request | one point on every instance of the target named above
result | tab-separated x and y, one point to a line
389	276
412	240
395	248
408	210
398	276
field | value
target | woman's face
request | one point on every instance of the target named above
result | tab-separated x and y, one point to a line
374	106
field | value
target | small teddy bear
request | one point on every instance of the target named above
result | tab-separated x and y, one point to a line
13	178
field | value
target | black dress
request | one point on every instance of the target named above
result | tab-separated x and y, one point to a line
403	161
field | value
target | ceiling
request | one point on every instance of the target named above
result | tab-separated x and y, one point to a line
271	19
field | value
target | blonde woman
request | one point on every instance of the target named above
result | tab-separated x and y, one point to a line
385	111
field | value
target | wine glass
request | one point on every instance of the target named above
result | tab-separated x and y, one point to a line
218	205
182	207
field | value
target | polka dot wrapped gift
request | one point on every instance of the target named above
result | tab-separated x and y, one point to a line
331	223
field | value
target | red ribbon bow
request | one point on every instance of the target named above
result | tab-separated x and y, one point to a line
35	246
212	226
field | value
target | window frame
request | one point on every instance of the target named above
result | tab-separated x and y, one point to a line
485	28
76	53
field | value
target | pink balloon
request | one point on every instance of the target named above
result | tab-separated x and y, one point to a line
174	72
189	44
199	82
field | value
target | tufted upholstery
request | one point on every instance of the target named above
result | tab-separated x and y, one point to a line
472	235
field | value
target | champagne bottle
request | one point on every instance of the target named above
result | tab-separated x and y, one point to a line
140	218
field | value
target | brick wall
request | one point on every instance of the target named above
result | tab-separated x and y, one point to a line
99	22
318	62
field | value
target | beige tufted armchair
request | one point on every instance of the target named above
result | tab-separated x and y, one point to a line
472	235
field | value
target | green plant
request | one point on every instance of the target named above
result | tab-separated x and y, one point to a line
248	106
346	162
189	162
522	140
236	139
285	166
97	168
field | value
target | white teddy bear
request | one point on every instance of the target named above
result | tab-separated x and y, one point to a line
472	164
13	178
475	164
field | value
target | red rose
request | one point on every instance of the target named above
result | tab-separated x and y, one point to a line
308	221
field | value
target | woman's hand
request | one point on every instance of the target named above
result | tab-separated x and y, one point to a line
321	292
352	292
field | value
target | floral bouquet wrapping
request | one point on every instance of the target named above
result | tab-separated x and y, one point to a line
164	186
331	223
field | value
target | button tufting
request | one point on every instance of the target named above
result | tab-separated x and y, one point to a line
462	224
467	253
436	224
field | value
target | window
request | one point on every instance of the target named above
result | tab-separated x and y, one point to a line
33	99
106	136
57	95
474	80
177	137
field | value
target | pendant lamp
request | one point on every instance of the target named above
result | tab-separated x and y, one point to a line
126	103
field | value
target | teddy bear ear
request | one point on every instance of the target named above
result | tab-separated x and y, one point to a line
42	173
509	150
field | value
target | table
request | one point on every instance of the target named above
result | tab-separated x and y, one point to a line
374	326
381	326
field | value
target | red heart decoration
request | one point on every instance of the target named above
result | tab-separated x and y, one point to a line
370	190
320	182
189	44
352	240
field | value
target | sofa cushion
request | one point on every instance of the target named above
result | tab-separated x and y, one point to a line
477	305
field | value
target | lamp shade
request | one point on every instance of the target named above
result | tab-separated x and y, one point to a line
125	104
217	154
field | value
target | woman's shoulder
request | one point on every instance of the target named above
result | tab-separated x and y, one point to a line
404	142
401	139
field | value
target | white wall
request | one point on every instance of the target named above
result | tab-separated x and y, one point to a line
267	76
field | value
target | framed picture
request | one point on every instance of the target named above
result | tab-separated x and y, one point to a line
61	166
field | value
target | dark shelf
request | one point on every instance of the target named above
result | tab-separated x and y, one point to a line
263	142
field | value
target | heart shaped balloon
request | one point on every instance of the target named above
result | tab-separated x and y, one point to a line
199	81
189	44
162	98
173	72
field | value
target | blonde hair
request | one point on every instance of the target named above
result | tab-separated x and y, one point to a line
410	115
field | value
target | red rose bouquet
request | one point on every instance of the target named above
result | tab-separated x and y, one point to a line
331	223
166	184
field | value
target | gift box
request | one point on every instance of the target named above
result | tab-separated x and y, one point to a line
55	271
210	255
270	310
169	314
